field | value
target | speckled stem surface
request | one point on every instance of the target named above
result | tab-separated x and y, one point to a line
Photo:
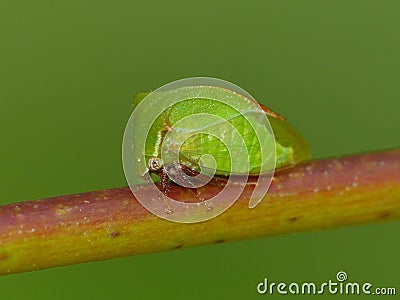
111	223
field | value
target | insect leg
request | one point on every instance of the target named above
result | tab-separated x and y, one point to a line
199	195
164	189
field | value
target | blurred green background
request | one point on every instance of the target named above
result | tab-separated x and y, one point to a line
69	70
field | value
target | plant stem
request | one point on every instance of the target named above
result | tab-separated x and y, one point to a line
111	223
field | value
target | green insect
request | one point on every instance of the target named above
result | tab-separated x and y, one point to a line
290	147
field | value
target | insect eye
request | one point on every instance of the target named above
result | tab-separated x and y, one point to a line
155	164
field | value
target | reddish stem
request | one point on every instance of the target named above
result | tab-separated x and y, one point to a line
111	223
